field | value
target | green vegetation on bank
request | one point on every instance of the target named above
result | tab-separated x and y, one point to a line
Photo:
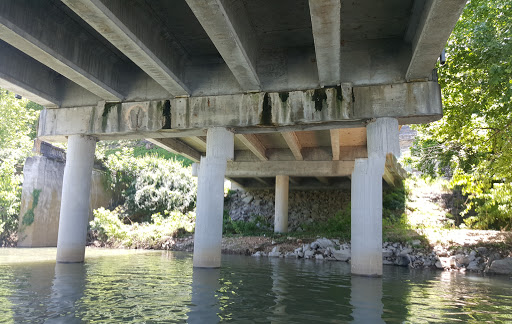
17	131
472	143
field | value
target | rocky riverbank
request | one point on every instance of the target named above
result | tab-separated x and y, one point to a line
493	258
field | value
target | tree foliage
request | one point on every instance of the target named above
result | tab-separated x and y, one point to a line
17	130
150	184
472	143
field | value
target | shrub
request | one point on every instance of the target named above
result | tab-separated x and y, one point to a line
108	228
258	225
151	184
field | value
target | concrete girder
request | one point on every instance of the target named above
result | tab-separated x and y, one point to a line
326	23
134	31
23	75
435	25
294	144
289	168
227	25
36	28
247	113
335	143
178	147
252	142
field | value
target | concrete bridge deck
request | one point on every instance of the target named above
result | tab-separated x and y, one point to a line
278	88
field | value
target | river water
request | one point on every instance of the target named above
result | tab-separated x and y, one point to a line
130	286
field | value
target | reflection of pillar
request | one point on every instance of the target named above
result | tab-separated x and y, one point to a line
281	204
279	289
205	303
210	197
76	191
366	205
68	287
366	300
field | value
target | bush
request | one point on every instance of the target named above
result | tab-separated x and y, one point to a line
108	228
257	226
151	184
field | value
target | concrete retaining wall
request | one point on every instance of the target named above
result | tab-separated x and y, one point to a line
304	207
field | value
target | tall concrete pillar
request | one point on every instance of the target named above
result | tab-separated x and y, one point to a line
366	205
74	206
210	197
281	204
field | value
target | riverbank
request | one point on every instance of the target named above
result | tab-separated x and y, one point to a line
459	250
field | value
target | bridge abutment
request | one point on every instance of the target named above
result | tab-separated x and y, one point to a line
76	189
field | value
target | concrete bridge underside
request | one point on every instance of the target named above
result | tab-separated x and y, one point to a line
274	93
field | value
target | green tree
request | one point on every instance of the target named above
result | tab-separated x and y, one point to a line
17	130
472	143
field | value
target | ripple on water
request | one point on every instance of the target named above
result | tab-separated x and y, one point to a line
163	287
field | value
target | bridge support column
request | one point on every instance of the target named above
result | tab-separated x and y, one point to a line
281	204
210	198
74	207
366	205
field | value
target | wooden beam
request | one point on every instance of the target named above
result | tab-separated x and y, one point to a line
326	23
293	143
133	29
229	28
252	142
290	168
178	147
335	144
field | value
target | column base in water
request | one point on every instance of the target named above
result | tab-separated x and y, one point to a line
74	207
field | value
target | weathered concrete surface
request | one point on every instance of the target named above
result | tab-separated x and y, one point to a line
281	209
210	198
74	207
267	112
39	223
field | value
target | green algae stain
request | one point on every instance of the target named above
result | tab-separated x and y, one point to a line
28	217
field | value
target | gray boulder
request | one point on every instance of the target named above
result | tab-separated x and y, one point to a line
341	255
503	266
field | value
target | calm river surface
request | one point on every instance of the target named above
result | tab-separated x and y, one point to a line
115	286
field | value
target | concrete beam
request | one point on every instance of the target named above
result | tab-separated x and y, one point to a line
27	77
293	143
394	174
134	31
335	144
323	180
227	24
326	23
44	32
178	147
247	113
289	168
434	27
252	142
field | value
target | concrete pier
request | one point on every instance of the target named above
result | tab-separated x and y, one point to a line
281	204
210	198
76	189
366	204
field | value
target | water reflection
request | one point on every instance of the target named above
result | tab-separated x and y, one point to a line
67	288
366	299
163	288
205	299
